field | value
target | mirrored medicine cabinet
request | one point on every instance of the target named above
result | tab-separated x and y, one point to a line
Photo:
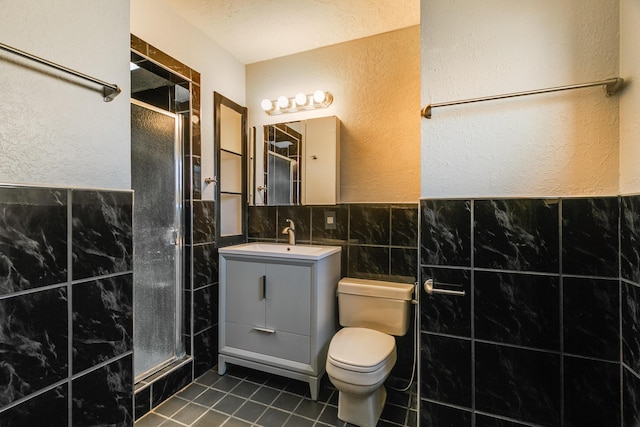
297	163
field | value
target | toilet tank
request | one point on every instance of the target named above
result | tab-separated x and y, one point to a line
373	304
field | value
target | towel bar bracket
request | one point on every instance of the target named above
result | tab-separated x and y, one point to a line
614	86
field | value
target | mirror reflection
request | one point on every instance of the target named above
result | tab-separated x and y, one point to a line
300	163
283	163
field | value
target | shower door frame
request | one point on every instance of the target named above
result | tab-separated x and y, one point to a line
179	227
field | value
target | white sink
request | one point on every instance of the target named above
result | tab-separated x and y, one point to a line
279	250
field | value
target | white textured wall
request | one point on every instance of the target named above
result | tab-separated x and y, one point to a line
53	132
544	145
157	24
375	82
630	98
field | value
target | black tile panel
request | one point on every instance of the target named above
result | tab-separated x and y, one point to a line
142	402
170	384
204	221
631	398
205	308
205	350
196	175
105	396
47	409
404	225
404	262
435	415
262	222
592	317
369	262
34	342
517	234
488	421
590	236
102	233
102	320
631	326
591	393
518	309
369	224
630	238
518	383
205	265
446	369
33	238
186	313
446	232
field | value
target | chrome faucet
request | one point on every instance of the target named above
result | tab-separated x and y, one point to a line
291	231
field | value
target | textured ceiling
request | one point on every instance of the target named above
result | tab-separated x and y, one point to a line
257	30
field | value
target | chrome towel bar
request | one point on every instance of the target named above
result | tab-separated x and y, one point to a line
613	85
428	288
109	90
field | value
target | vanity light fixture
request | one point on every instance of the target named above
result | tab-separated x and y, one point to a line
300	102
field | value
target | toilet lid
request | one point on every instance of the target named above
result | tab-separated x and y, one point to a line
361	349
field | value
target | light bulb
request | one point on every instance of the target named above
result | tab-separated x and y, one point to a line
301	99
266	105
283	102
318	96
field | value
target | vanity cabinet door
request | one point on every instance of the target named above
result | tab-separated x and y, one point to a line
288	298
244	298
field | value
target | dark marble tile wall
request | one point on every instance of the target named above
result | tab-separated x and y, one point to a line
379	241
536	338
65	266
202	298
630	308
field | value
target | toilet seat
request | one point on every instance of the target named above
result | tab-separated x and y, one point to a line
361	356
361	350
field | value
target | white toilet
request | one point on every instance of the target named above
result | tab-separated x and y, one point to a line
362	354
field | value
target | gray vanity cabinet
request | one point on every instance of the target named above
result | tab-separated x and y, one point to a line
277	315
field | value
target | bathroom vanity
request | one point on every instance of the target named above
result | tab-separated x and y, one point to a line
277	308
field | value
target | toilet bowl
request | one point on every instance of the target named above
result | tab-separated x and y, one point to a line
358	363
363	353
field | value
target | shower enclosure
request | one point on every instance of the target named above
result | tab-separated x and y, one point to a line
160	107
156	178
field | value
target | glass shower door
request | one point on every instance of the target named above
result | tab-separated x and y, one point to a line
156	155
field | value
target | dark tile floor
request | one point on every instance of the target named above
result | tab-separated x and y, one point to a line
244	398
